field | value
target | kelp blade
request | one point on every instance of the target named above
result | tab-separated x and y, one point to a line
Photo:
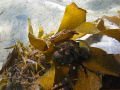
115	33
101	25
102	62
36	42
47	80
88	28
73	17
88	81
11	59
63	35
41	31
30	26
61	73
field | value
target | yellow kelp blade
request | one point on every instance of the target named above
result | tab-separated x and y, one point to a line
101	25
47	80
21	46
4	83
115	33
41	31
63	35
73	17
10	47
61	72
11	59
30	26
113	20
79	35
88	28
89	81
85	28
36	42
119	13
102	62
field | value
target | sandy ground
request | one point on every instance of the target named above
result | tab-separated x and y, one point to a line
45	13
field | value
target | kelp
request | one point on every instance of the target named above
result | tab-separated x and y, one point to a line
62	60
91	81
73	17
